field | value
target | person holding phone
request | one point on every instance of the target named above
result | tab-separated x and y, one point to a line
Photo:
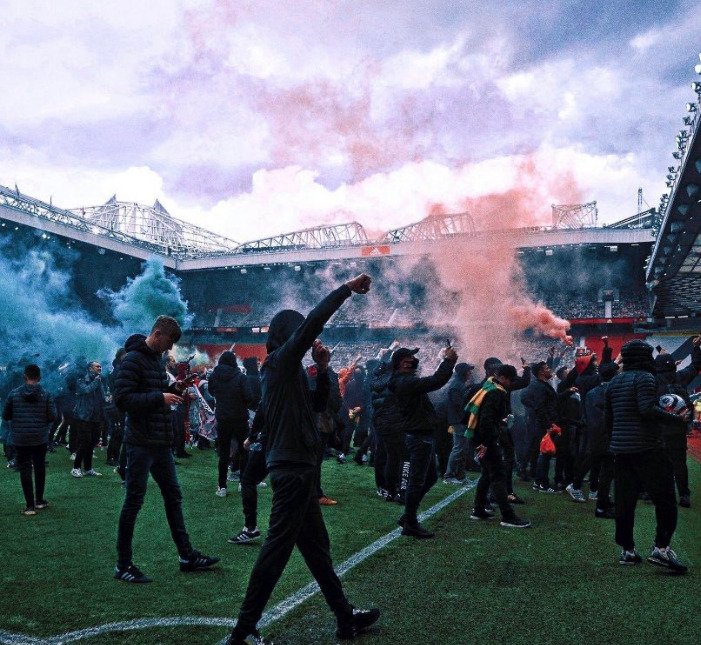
142	392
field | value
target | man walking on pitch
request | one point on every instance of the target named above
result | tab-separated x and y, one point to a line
291	455
142	392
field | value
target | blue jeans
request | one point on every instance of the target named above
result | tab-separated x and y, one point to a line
456	459
422	473
157	460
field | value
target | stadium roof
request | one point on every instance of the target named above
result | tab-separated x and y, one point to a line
674	270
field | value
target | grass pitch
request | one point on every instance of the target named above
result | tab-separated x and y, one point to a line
475	583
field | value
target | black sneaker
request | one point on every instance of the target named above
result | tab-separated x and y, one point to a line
245	537
132	573
667	558
685	501
629	558
357	623
252	639
197	561
605	513
515	522
482	514
417	531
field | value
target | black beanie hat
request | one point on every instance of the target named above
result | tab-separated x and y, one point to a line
637	354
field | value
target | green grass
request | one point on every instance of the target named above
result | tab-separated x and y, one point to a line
475	583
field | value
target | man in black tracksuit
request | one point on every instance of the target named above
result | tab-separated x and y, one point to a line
673	381
233	395
633	417
292	439
142	392
493	409
419	422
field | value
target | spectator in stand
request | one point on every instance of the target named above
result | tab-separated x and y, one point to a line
30	409
419	425
455	409
633	416
234	396
89	416
673	381
602	468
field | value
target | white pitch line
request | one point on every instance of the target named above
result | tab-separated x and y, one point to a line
276	613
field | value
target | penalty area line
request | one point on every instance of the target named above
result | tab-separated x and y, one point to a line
272	615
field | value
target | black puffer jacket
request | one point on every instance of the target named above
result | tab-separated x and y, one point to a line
632	411
138	391
231	390
31	410
594	408
386	415
541	403
418	414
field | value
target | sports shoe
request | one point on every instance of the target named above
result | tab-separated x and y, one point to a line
245	536
77	472
357	623
131	573
381	492
29	511
667	558
685	501
575	493
73	454
252	639
515	499
41	504
629	557
327	501
197	561
515	522
233	476
453	481
593	495
605	513
542	488
262	485
341	458
92	473
535	486
417	531
220	492
483	514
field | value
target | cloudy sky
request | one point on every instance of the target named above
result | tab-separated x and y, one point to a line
255	117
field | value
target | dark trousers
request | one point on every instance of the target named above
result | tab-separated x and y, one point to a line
142	460
675	445
542	472
29	457
532	456
228	430
324	441
564	461
508	459
295	519
493	477
380	461
444	444
649	471
252	475
395	447
602	471
72	434
422	473
582	466
116	435
88	434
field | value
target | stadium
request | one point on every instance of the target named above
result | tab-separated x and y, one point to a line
78	280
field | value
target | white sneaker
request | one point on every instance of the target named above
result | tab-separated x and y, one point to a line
92	473
592	495
221	492
262	485
575	493
77	472
73	454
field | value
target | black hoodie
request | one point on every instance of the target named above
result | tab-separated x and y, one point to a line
138	392
31	409
288	404
231	390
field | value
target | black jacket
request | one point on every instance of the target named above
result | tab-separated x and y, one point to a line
138	391
287	402
31	410
494	408
456	400
541	403
594	412
231	390
418	414
387	416
632	412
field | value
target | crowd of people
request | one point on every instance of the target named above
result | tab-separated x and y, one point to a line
619	424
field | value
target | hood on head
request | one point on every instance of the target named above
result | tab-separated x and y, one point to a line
282	326
637	355
228	358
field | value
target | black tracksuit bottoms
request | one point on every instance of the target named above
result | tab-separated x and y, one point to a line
649	471
295	519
